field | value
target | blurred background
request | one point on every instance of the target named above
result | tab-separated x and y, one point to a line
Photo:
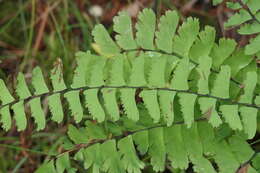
37	32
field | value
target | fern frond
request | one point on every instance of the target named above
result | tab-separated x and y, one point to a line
177	143
165	83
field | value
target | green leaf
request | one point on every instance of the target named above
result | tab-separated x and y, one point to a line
110	102
193	145
253	46
129	105
241	149
157	149
151	103
21	88
78	136
248	117
97	73
175	147
57	77
156	76
81	73
222	51
192	141
257	100
137	76
107	46
123	26
55	106
74	105
233	5
249	28
5	118
202	165
93	104
112	162
203	70
117	72
203	44
187	34
5	96
208	110
256	161
253	5
38	82
207	136
249	87
224	155
19	115
166	99
167	27
230	113
37	113
47	167
238	61
95	131
145	29
141	139
238	18
187	102
222	82
93	157
181	74
216	2
63	163
129	158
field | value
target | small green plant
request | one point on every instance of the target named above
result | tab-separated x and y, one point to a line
166	96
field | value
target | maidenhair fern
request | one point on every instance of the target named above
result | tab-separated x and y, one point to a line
168	93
